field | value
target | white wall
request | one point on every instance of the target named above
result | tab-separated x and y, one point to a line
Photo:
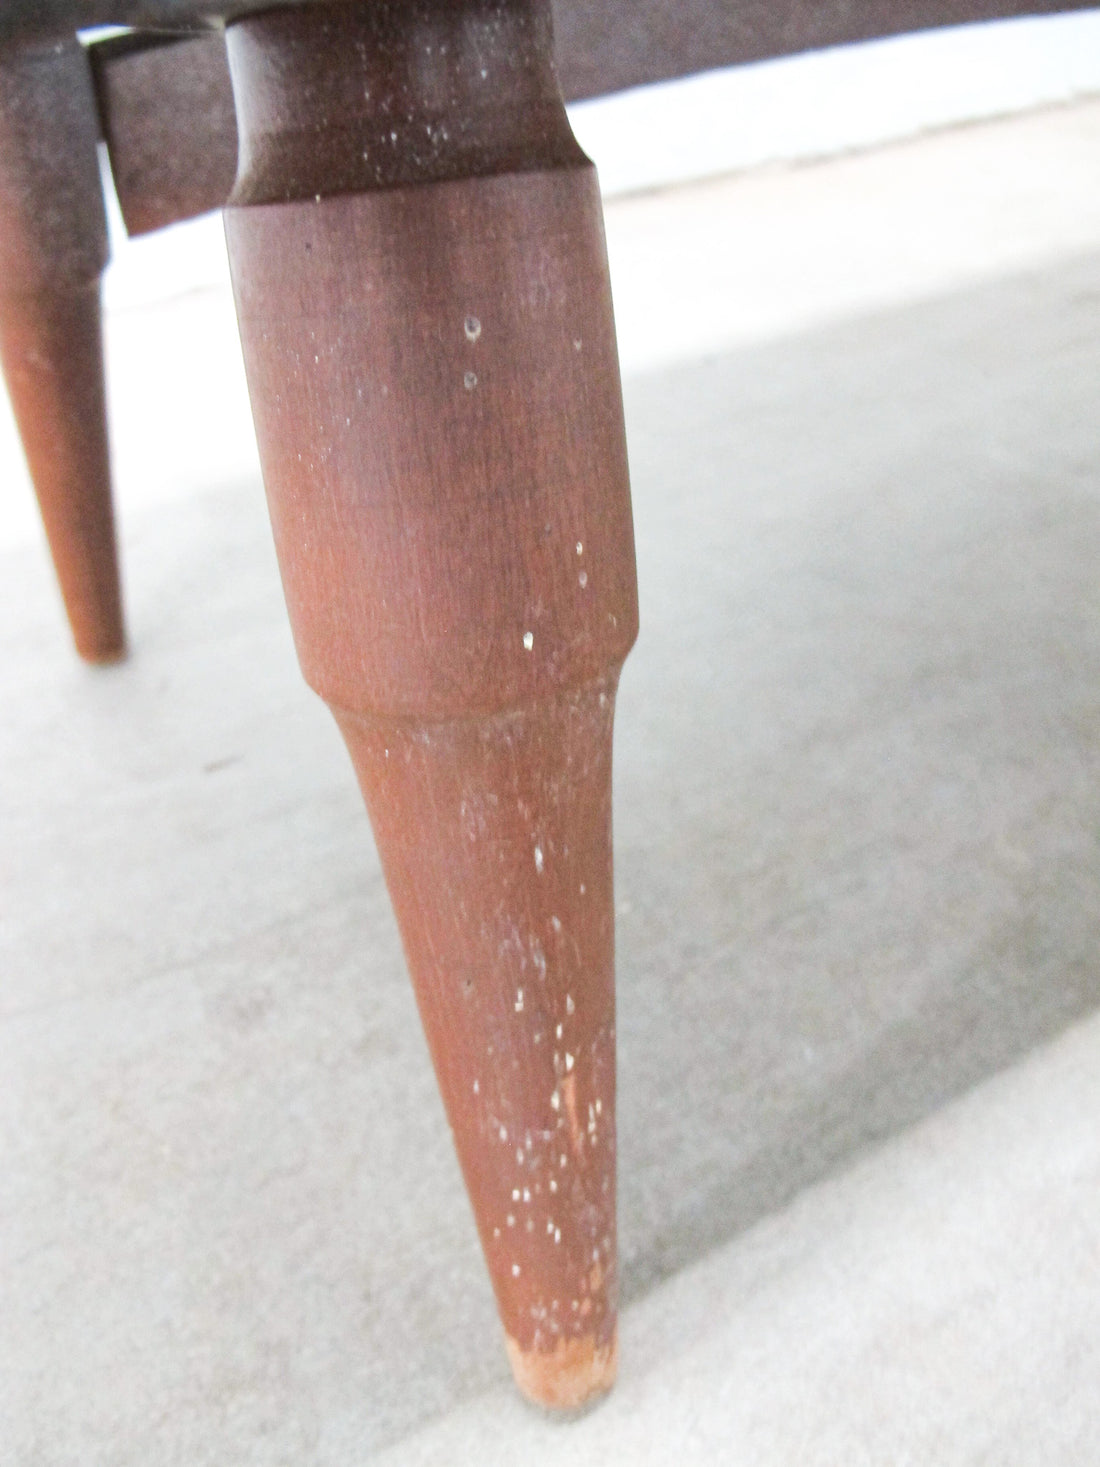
834	101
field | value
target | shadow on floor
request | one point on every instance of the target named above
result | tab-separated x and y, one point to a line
858	780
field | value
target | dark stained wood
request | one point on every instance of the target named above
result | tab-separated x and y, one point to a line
426	320
53	246
166	110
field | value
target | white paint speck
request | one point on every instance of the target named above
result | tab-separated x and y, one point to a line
515	1270
568	1063
526	1194
550	1225
538	858
477	1088
553	1185
557	1235
515	1194
559	1031
519	1000
469	381
599	1107
570	1006
510	1220
580	547
555	1101
555	923
472	328
582	579
528	640
504	1133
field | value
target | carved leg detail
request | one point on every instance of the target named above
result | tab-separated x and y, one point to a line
53	247
427	330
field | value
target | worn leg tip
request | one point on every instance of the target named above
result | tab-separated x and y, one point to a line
103	654
574	1374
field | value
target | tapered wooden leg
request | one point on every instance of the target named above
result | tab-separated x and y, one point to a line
424	306
495	834
53	361
53	246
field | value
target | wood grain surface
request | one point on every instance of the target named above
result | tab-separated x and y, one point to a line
422	289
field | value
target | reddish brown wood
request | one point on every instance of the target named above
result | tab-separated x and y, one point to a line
53	246
495	834
426	318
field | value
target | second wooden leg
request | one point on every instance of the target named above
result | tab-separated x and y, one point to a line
53	246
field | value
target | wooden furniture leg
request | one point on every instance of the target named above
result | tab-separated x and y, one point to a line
53	247
421	284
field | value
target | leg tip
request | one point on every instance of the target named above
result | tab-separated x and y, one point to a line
574	1374
98	630
102	653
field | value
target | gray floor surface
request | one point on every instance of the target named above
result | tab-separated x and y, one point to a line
858	874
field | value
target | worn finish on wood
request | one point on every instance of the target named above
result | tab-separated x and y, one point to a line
495	835
166	110
426	321
53	246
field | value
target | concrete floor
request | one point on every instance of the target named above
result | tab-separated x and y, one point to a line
858	881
